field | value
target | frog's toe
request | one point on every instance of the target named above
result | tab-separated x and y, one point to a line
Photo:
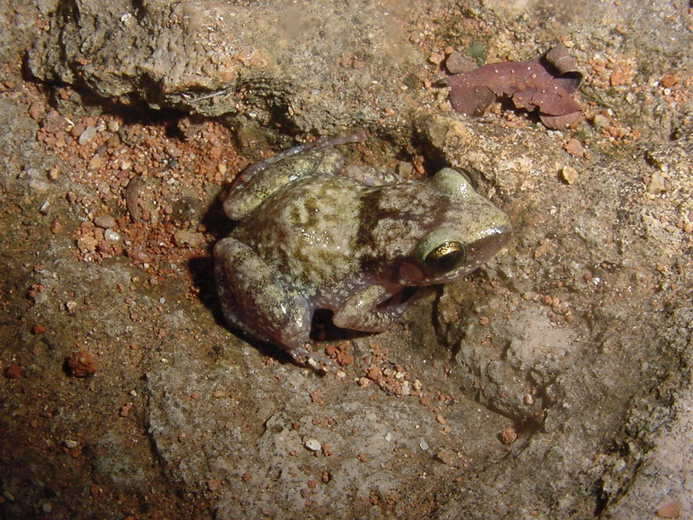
315	360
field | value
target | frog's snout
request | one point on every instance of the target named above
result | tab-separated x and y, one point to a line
487	246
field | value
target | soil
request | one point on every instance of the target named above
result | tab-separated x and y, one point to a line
554	382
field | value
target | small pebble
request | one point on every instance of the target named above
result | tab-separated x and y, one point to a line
600	121
435	58
669	510
77	130
14	371
508	435
38	329
423	444
669	80
657	184
81	364
96	163
574	148
457	63
111	235
569	174
36	111
105	221
87	135
313	444
70	444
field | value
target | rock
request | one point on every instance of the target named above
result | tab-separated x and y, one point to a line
188	238
97	162
312	444
105	221
81	364
569	174
111	235
600	121
578	330
214	58
457	63
657	184
88	134
574	148
670	510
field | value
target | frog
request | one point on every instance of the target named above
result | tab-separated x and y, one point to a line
313	232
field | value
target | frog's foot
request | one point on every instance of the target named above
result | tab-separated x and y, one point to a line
326	142
315	360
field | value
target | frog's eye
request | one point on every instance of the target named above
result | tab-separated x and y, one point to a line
447	256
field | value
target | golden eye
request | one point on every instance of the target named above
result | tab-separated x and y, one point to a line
447	256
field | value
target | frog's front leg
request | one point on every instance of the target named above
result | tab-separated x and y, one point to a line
255	300
360	312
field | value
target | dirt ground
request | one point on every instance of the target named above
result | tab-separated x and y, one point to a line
552	383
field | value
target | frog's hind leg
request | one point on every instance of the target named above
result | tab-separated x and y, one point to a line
321	144
261	180
255	300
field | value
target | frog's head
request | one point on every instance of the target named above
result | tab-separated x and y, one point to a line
471	232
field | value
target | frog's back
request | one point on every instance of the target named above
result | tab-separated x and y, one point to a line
308	230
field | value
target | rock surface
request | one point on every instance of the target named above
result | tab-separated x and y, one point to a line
552	383
305	66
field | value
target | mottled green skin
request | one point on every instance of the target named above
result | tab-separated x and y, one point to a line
313	234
